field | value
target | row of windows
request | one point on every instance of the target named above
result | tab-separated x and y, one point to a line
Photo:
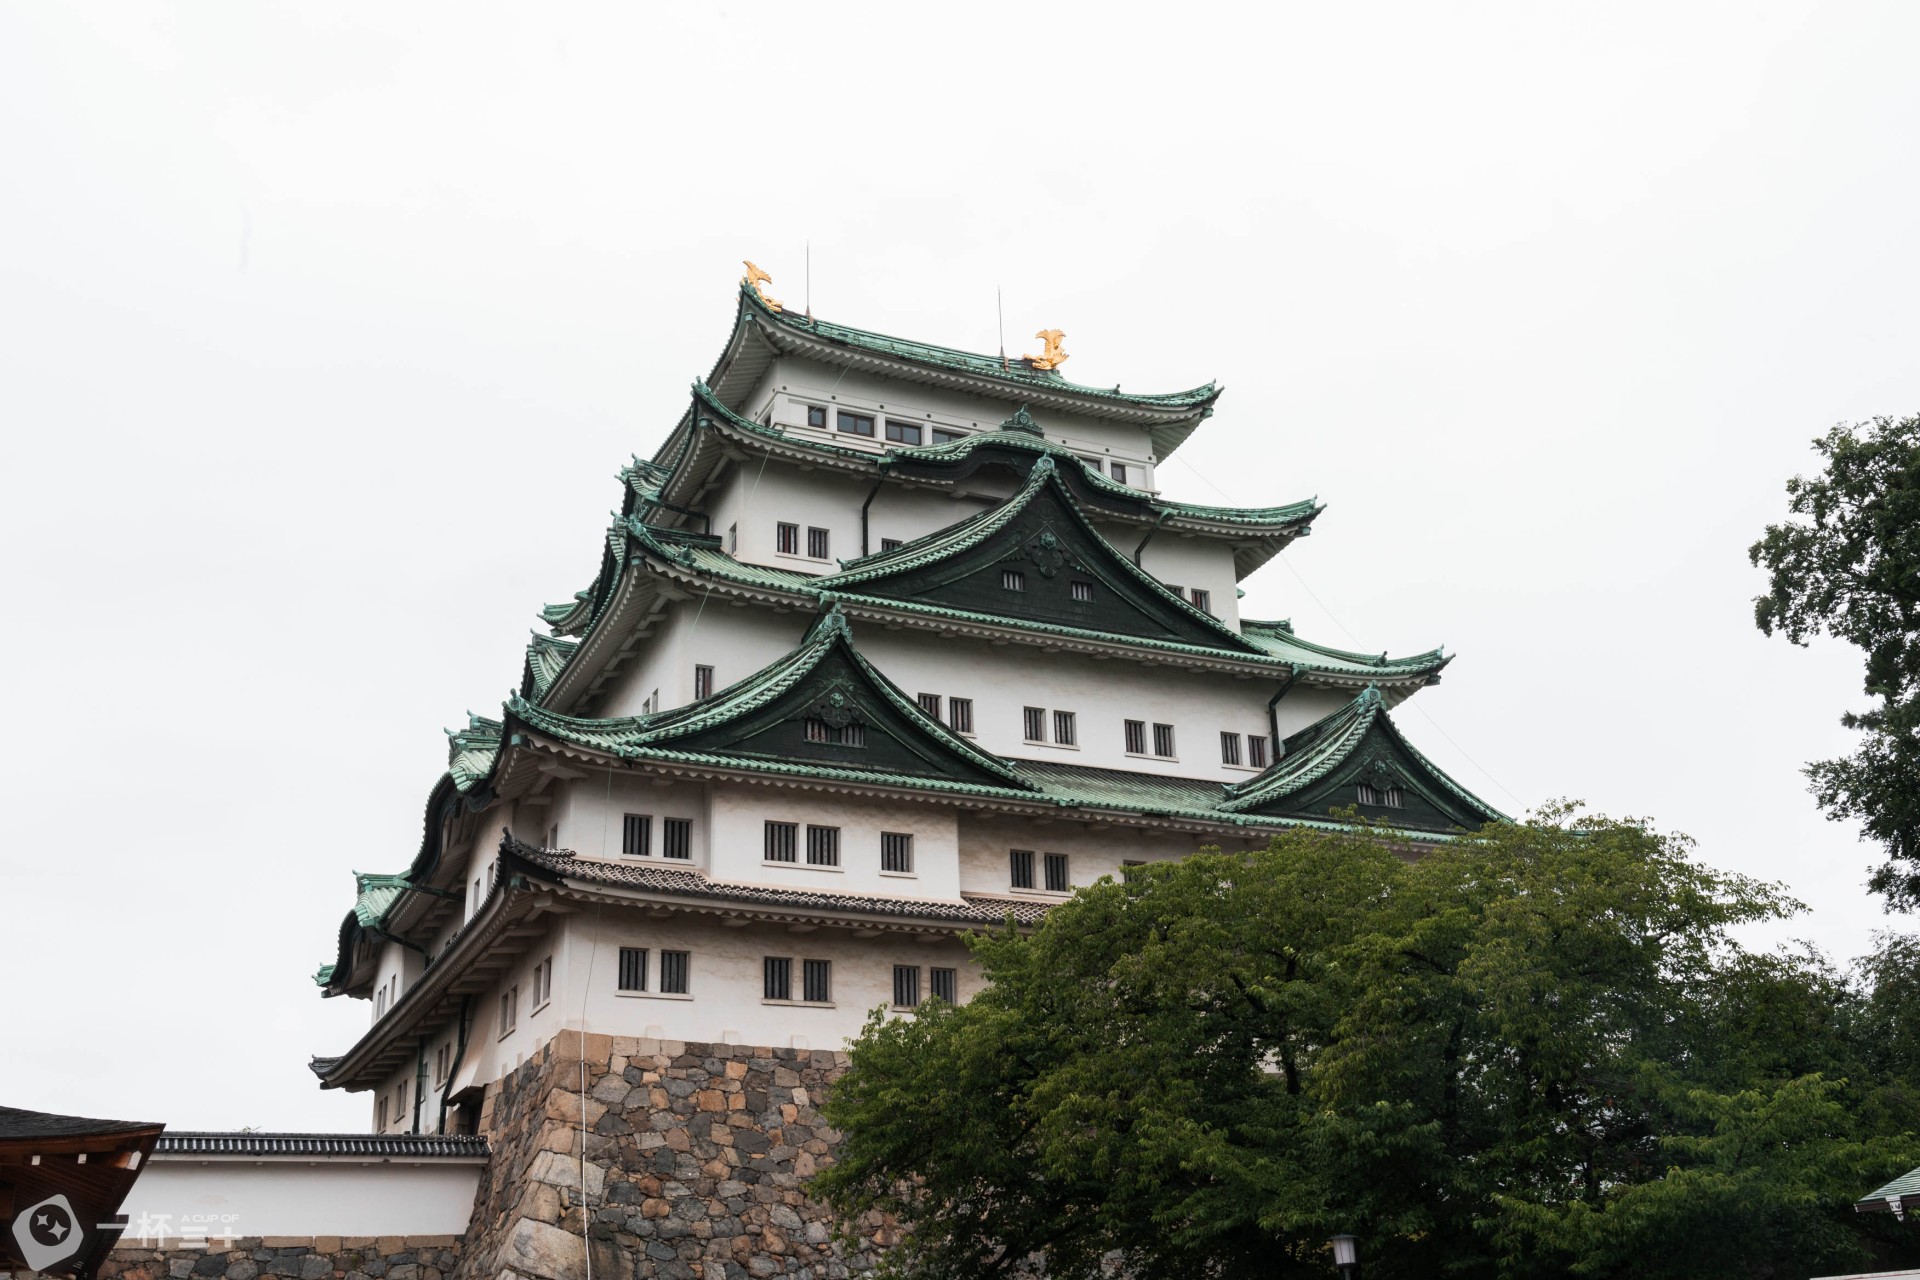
540	982
855	423
671	980
782	845
786	540
959	715
636	836
1066	728
1053	868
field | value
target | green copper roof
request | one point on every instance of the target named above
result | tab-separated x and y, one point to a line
546	656
323	975
471	751
373	895
1907	1184
1014	372
1278	639
1322	767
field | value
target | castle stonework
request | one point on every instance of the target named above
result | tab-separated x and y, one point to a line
696	1161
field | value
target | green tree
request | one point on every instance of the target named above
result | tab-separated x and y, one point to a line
1848	565
1534	1052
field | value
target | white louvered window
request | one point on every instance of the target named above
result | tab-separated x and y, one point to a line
817	544
1013	580
786	538
1082	591
1202	600
1384	797
852	735
702	682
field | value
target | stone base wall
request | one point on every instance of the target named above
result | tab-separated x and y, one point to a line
290	1258
696	1159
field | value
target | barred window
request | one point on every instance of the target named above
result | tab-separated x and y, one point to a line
1257	750
929	703
896	852
1057	880
817	543
702	682
1136	737
676	838
1163	740
853	735
816	981
776	978
856	424
1036	724
944	984
1385	797
782	838
1229	748
906	986
891	544
1202	600
1063	728
960	715
1013	580
673	972
1082	590
786	538
633	968
823	846
636	835
1020	868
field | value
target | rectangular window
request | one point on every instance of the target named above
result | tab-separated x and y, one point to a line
960	715
903	432
945	435
1163	740
816	981
1229	748
702	682
1056	868
929	703
733	538
381	1123
1257	750
676	838
1082	591
823	846
1179	591
944	984
1013	580
1385	797
856	424
852	735
1202	600
782	839
817	543
1035	725
786	538
636	835
1136	737
776	978
542	983
553	836
906	986
1095	465
1119	470
400	1102
633	968
816	415
440	1065
1020	868
509	1010
1064	730
896	852
673	973
891	544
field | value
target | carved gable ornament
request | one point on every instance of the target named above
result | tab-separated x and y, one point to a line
1381	775
835	708
1046	552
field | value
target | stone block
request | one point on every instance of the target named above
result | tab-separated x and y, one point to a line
432	1242
540	1249
556	1170
390	1245
286	1242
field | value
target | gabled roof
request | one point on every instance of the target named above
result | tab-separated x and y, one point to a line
760	332
1322	767
373	894
822	708
471	751
1042	534
546	656
1903	1193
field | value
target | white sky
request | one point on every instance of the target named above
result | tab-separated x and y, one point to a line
323	330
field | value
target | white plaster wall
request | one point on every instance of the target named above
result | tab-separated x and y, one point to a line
724	1003
734	642
1004	679
590	812
1187	562
1092	851
758	497
284	1197
740	815
907	514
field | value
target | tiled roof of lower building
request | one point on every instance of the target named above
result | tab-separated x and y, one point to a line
19	1123
385	1146
1907	1184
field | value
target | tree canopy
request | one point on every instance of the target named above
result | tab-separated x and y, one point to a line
1535	1052
1848	565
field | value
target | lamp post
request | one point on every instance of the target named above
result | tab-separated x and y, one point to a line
1346	1254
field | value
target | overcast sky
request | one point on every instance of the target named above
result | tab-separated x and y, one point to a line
323	330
